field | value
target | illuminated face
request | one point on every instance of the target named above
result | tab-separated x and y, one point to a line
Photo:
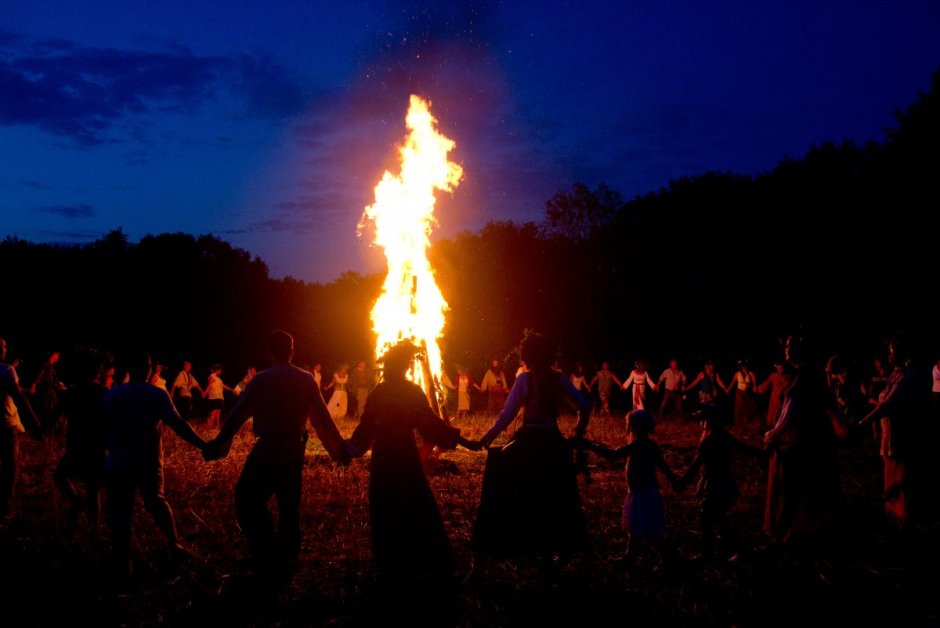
494	365
187	366
673	364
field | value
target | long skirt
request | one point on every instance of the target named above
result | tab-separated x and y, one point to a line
530	503
745	407
338	404
643	515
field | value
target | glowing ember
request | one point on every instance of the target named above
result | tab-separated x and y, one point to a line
411	305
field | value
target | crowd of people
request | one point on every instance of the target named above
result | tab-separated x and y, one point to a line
530	501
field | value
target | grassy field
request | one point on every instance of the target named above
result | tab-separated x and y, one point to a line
53	572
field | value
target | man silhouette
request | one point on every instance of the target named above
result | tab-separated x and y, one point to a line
281	399
132	413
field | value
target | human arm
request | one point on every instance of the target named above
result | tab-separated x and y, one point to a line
746	449
183	429
691	471
602	450
509	411
361	440
695	382
627	383
25	409
727	388
219	446
665	469
784	421
324	426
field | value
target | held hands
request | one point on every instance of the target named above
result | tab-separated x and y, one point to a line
216	449
472	445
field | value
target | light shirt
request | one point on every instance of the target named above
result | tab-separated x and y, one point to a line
673	380
184	383
214	387
11	416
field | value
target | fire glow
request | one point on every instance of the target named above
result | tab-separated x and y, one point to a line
411	305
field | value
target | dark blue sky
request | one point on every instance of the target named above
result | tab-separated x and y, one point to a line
269	123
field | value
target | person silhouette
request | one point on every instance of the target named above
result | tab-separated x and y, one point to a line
281	399
408	536
132	413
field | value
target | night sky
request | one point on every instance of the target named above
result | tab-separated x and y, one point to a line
269	123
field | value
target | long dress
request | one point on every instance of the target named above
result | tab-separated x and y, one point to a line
745	405
641	382
408	535
804	495
530	502
338	400
463	393
904	413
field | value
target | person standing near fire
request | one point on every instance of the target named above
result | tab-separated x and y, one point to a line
604	379
360	386
463	386
182	391
215	395
494	385
14	407
281	399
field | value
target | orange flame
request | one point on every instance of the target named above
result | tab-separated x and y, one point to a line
411	305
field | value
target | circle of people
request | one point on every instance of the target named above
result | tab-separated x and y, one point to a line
530	502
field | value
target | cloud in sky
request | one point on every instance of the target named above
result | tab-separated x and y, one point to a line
70	212
82	92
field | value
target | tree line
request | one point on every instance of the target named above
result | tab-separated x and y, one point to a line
837	245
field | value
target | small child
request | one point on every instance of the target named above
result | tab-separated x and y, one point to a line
643	516
716	487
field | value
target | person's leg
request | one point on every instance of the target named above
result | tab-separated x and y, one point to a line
151	491
288	491
61	478
8	468
255	486
664	407
121	492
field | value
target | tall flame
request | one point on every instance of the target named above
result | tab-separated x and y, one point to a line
411	305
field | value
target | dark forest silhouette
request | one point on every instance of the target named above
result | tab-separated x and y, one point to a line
838	243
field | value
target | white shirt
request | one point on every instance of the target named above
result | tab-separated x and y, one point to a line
214	389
